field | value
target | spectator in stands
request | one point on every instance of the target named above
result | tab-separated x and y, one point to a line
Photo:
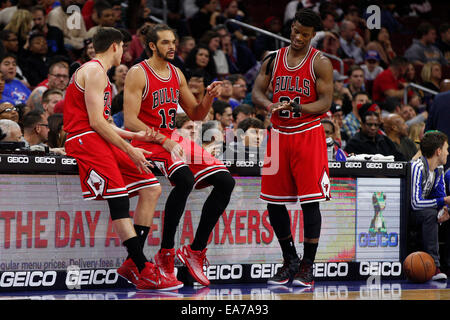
423	50
371	65
56	134
415	133
230	10
443	43
250	137
428	195
105	16
212	138
21	24
10	131
240	58
200	60
241	112
35	128
50	98
342	92
185	126
54	36
8	111
87	54
431	75
211	39
226	92
352	121
381	43
390	83
197	84
439	116
351	43
239	83
397	130
264	43
117	77
33	59
355	79
368	140
58	78
337	117
14	91
11	45
138	43
223	114
333	139
73	35
205	18
186	44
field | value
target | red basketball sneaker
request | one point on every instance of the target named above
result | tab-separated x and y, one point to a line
149	278
194	261
164	259
129	271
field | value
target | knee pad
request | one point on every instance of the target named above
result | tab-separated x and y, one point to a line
312	220
119	208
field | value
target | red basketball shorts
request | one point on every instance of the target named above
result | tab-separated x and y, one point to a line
296	167
105	170
200	162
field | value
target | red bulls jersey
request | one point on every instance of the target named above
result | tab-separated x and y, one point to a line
296	83
160	99
76	119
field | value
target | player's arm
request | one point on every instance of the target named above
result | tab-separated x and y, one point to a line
324	86
262	81
197	111
94	84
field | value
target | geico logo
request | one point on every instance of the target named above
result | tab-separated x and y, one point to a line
28	279
331	269
245	163
381	292
84	277
68	161
265	270
353	164
394	165
335	165
332	292
45	160
373	268
224	272
13	159
372	165
378	240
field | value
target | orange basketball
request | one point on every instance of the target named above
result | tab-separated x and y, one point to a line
419	267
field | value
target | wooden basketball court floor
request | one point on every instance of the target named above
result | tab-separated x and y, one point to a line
329	290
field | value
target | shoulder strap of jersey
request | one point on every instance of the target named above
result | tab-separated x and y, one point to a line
271	56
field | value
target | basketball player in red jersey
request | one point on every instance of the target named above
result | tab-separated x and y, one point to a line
302	80
109	167
153	90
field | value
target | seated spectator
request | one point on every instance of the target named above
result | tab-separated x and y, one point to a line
342	92
371	65
381	43
355	79
415	133
137	48
54	36
87	54
211	39
50	98
105	16
185	126
11	45
212	138
397	130
117	77
35	129
10	131
230	10
20	24
241	112
226	92
32	61
368	140
204	19
250	137
351	43
239	83
332	138
14	91
423	50
9	112
56	134
264	43
352	122
185	46
428	195
240	58
200	60
431	75
390	83
337	117
443	43
59	18
197	85
224	115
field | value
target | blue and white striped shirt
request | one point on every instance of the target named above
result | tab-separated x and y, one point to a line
430	193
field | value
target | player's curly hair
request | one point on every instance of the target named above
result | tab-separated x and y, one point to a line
308	18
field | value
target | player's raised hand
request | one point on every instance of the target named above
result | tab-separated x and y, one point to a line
214	89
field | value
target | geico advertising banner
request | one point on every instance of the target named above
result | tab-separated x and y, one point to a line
378	219
46	225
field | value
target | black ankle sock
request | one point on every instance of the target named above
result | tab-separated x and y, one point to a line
135	252
142	233
288	248
309	251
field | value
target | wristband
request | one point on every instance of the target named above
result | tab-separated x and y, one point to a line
164	140
269	106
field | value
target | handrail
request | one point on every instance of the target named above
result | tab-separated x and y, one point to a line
273	35
415	85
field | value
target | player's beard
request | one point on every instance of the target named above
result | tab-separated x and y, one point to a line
164	57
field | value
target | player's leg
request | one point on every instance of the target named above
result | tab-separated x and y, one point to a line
145	209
